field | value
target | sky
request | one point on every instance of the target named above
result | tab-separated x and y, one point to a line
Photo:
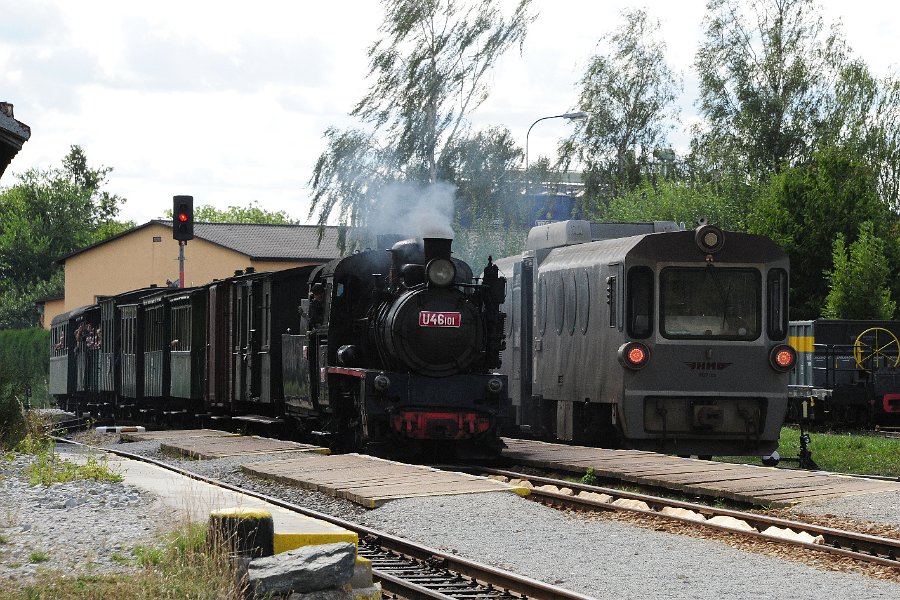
228	101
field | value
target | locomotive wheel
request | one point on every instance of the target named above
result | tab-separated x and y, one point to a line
884	345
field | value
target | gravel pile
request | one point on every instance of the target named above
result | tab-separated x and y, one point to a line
600	558
81	527
878	508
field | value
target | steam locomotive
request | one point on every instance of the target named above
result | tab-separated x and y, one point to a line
384	350
647	336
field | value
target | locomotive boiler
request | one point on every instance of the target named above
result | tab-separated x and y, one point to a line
646	336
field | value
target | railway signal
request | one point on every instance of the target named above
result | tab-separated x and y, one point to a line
183	218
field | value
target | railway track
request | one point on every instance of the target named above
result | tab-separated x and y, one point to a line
858	546
405	569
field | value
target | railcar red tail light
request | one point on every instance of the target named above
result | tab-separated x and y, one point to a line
634	355
782	358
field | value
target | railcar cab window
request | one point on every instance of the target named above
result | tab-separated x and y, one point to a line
710	303
777	303
640	302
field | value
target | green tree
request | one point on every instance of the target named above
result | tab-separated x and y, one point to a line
679	201
858	287
806	207
766	69
252	213
44	216
485	168
430	71
629	94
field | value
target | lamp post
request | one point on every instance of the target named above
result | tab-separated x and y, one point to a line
574	116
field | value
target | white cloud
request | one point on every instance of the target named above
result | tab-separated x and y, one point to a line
228	101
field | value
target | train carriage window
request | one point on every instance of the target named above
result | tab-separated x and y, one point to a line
583	302
777	303
559	305
710	303
640	302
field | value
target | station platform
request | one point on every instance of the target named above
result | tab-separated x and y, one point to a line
758	485
191	501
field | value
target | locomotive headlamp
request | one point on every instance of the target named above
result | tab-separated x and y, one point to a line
494	385
782	358
381	382
440	272
633	355
709	238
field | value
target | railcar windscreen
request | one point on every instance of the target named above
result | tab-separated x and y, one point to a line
710	303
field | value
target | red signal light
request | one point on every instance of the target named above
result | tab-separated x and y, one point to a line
633	355
182	217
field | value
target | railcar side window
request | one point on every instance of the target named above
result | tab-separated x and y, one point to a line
777	296
542	305
611	294
584	301
640	302
560	305
710	303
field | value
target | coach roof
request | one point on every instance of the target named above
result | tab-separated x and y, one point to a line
255	240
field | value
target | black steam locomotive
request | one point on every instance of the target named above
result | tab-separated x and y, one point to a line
646	336
382	350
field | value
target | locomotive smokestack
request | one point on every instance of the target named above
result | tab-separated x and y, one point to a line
437	248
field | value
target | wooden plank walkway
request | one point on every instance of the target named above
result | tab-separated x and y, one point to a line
371	481
165	434
762	486
212	447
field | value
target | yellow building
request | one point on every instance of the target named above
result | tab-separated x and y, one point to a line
147	255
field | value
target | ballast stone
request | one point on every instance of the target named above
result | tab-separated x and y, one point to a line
303	570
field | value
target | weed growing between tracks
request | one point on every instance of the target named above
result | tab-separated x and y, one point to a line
842	452
181	565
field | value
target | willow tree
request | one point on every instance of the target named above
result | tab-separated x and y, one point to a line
428	71
628	92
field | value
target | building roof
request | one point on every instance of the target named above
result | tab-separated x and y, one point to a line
13	134
257	241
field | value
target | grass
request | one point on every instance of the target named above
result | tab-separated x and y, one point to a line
38	556
181	565
861	453
49	468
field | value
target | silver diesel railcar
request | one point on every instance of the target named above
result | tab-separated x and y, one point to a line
647	336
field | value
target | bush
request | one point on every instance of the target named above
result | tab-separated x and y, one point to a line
13	424
25	358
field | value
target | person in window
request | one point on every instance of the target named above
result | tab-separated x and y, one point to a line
316	304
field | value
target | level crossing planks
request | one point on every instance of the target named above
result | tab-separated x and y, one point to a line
762	486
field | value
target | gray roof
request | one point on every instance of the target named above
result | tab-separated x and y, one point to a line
257	241
270	242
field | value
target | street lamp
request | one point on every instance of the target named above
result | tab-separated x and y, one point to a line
574	116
